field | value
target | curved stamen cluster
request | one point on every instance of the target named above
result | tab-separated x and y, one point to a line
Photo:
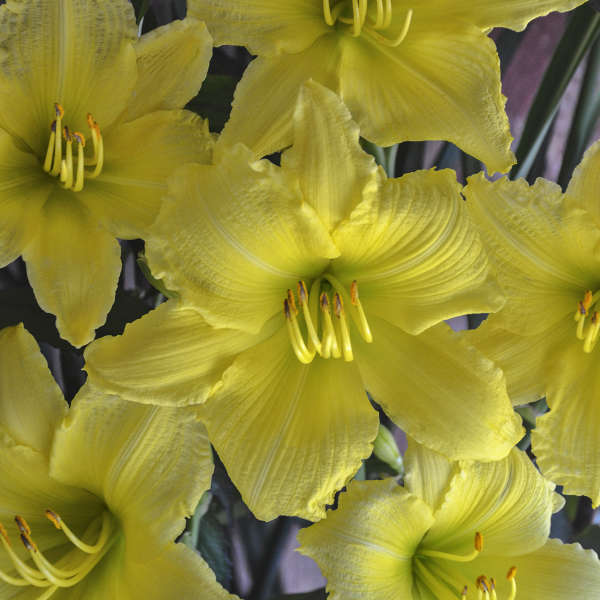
362	22
334	340
62	164
587	308
47	576
486	588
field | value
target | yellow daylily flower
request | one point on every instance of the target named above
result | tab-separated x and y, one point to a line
422	70
546	247
470	530
94	496
90	129
300	286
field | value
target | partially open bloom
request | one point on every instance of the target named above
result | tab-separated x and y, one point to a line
93	497
90	129
300	286
422	70
546	246
469	530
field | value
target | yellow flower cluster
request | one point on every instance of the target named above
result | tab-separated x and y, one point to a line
295	288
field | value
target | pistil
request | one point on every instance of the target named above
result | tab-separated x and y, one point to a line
478	545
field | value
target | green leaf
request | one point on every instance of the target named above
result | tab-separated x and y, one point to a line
581	32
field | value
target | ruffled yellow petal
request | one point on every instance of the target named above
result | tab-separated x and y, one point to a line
525	360
583	187
427	473
441	82
433	385
544	254
140	157
334	172
565	440
365	548
554	572
149	464
264	26
264	101
172	62
513	14
72	52
31	404
507	501
169	356
415	253
234	237
24	188
73	266
289	434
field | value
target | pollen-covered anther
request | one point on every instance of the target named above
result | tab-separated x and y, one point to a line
61	163
486	587
355	14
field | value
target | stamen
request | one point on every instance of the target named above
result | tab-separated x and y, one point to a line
66	173
464	593
80	139
478	545
388	14
338	308
380	15
59	111
31	576
511	576
298	345
356	18
327	13
591	337
330	343
394	42
50	151
361	322
22	525
313	339
98	151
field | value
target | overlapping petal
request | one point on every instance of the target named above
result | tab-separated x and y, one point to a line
366	548
433	385
177	56
290	434
333	170
234	260
545	254
264	101
441	83
140	157
265	26
415	253
171	356
583	186
73	266
62	51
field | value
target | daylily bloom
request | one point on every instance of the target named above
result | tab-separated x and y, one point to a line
300	286
94	496
90	129
422	70
546	246
465	530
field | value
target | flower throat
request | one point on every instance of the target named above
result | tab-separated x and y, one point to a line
327	296
61	163
355	14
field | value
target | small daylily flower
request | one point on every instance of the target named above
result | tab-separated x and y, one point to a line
470	530
94	496
547	249
90	129
300	286
422	70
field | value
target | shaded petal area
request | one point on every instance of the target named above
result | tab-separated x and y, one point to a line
73	266
24	187
565	440
150	464
32	404
416	254
433	385
507	501
289	434
234	237
440	83
68	51
170	356
264	26
544	253
172	62
333	170
140	157
264	101
365	548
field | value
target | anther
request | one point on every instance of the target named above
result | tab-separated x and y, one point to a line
22	525
478	543
511	576
53	518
